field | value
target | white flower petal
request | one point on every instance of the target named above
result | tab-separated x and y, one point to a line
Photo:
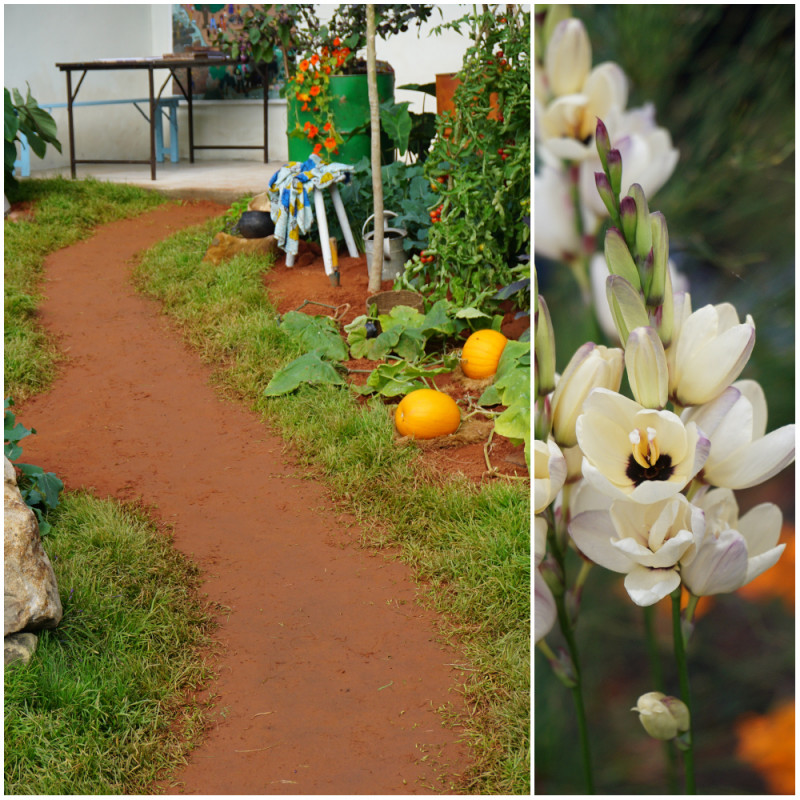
593	533
719	566
762	562
602	484
754	463
761	528
568	58
544	608
653	491
540	540
758	400
667	555
648	586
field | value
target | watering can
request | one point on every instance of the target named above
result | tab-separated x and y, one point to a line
393	254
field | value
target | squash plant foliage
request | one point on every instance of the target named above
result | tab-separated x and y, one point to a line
479	166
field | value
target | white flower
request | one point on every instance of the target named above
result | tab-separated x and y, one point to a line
549	473
661	716
710	349
635	453
555	232
590	367
646	542
544	604
567	125
735	549
742	453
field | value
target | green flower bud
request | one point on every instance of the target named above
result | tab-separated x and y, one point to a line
627	306
643	234
603	143
614	159
545	349
619	258
655	291
627	215
663	717
606	193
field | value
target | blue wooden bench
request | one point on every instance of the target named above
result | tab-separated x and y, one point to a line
165	106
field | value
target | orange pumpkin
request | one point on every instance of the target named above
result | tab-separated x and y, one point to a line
481	353
426	414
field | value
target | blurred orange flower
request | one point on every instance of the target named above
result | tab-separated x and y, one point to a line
303	65
314	91
778	581
330	143
317	149
766	742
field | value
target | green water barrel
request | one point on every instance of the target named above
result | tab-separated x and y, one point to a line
350	105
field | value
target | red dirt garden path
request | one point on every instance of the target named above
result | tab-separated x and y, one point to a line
330	671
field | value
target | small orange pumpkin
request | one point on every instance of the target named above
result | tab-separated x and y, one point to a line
426	414
481	353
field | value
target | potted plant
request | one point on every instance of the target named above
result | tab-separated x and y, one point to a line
327	100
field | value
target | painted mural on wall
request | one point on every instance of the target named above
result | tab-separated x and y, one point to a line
194	28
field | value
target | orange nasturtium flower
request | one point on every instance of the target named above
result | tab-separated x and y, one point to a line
315	59
337	41
317	149
313	130
326	127
314	91
303	65
303	96
330	143
327	69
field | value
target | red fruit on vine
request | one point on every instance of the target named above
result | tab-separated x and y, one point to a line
499	53
503	62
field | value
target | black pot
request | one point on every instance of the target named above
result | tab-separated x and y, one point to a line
255	225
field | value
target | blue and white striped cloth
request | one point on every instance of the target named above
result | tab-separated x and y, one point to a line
291	208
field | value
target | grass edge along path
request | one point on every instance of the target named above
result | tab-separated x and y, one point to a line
102	707
65	212
469	547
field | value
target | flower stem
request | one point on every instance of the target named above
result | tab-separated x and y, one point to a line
683	674
657	676
577	693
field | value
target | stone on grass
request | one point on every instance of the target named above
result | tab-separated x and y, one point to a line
18	648
32	601
225	246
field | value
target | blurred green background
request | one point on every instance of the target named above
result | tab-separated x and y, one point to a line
722	78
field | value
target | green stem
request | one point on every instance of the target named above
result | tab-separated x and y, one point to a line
683	674
577	694
657	677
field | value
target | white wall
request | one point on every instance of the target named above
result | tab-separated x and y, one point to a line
37	36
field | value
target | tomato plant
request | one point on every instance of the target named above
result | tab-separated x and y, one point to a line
480	163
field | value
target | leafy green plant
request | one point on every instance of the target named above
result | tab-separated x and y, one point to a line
232	215
512	388
480	165
39	489
23	116
398	378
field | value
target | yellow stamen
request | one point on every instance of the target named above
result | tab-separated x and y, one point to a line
645	448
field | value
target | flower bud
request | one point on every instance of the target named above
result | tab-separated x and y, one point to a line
614	159
646	364
549	473
606	193
568	59
627	306
627	215
656	288
643	234
592	366
603	143
619	258
662	716
545	351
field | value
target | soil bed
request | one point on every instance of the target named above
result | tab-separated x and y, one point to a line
330	671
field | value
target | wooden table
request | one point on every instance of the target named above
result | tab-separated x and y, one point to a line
175	66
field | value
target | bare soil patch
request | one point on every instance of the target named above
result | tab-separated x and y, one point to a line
331	672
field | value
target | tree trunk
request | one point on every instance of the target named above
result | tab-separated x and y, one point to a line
376	268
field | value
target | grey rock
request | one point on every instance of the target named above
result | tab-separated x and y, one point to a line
32	601
19	648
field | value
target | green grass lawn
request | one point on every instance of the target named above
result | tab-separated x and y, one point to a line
469	546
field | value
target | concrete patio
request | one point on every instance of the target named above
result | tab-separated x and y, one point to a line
221	180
